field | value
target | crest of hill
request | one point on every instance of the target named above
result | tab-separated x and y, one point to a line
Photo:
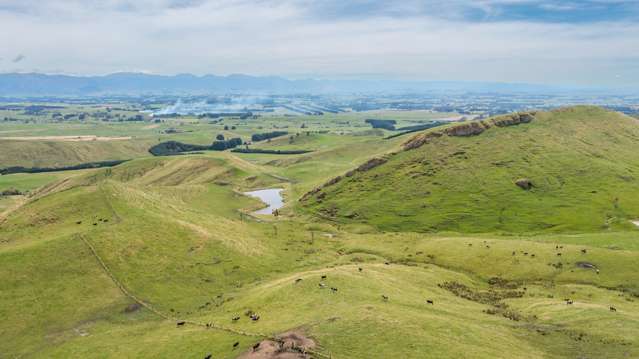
578	164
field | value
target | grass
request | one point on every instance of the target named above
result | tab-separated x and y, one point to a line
170	231
582	162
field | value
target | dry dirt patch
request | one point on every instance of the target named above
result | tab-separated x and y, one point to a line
66	138
290	345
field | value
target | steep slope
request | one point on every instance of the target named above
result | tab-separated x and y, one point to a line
576	168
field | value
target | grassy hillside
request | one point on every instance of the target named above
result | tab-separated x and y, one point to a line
60	154
82	254
583	164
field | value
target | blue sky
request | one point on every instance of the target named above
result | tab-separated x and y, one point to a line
587	42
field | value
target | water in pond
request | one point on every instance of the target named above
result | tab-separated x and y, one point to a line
272	197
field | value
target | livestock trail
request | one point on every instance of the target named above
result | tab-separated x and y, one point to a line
209	325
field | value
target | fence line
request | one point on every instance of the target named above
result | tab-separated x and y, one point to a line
209	325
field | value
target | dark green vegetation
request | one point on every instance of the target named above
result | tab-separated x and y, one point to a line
272	152
83	250
410	129
385	124
582	164
267	136
174	147
19	169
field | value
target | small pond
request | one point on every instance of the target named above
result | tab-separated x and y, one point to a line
272	197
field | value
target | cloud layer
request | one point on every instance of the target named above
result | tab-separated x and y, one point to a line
591	42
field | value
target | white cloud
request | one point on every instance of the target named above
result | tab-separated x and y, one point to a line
283	38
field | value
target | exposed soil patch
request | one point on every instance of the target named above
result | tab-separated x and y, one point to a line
586	265
492	297
524	183
132	308
290	345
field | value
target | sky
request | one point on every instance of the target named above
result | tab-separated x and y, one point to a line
571	42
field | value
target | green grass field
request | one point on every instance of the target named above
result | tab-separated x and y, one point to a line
581	161
176	233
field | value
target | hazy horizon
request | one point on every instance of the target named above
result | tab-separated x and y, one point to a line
585	43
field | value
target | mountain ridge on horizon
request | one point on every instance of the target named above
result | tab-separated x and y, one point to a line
139	83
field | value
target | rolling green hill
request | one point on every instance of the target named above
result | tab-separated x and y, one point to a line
582	164
106	262
55	154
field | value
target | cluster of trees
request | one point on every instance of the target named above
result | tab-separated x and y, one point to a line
272	152
11	192
268	135
385	124
226	144
415	128
174	147
81	166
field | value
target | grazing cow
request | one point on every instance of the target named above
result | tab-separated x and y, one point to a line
236	344
324	276
334	289
532	255
559	254
568	301
322	285
208	356
597	271
78	222
181	323
470	244
298	280
514	252
613	309
525	253
384	298
255	317
430	302
583	251
235	319
387	263
95	224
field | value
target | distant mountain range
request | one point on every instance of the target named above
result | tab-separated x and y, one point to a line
36	84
